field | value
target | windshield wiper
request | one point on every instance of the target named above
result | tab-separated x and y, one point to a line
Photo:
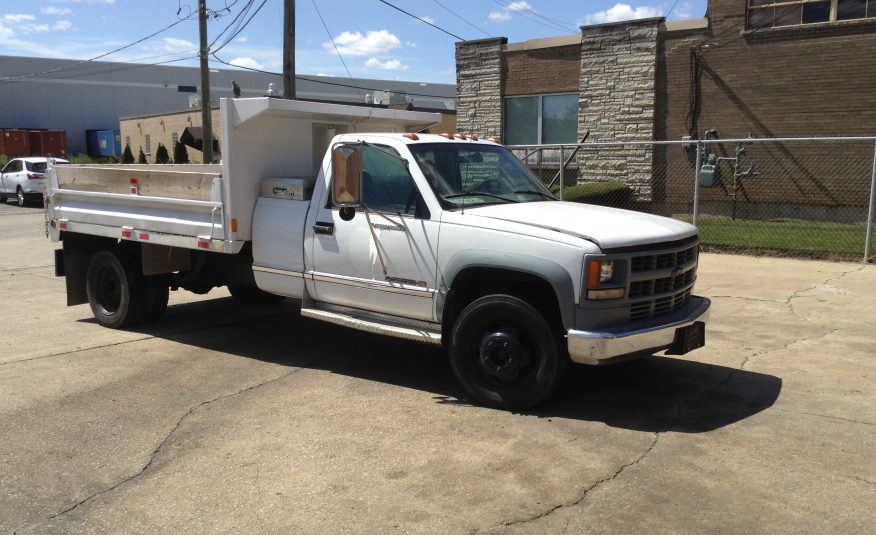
534	192
484	193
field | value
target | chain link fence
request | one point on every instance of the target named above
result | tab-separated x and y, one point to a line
797	197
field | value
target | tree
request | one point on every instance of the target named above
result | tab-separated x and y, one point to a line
161	155
180	153
141	158
127	155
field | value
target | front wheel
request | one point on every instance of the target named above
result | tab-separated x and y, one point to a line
504	353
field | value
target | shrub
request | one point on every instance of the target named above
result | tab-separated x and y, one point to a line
4	159
141	158
180	153
127	155
88	159
615	194
161	155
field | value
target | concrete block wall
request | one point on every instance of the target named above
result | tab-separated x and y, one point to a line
479	86
617	100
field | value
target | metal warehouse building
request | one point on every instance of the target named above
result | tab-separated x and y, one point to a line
75	96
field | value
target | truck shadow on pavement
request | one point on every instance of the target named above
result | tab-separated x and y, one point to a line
654	394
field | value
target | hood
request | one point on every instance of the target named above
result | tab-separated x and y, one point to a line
609	228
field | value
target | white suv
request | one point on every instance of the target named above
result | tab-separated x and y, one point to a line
23	178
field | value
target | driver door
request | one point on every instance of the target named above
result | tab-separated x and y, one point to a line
384	259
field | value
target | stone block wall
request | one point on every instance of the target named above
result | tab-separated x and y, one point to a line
479	86
617	101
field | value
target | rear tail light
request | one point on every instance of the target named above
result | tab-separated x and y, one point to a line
34	176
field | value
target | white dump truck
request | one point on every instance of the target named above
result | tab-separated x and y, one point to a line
442	239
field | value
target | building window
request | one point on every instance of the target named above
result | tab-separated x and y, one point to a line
127	141
148	142
776	13
541	119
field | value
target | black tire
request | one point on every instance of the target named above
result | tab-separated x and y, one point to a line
19	197
157	295
504	353
116	290
249	295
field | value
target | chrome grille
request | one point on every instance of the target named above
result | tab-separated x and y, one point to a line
661	294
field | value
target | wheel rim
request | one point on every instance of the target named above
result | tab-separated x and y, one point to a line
108	291
20	195
502	357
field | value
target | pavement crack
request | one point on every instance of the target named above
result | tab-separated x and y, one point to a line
157	451
827	416
758	354
144	338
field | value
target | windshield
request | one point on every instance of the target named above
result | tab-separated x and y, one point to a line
464	175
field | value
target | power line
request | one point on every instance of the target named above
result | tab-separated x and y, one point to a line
420	19
463	19
65	67
670	9
521	10
241	26
220	60
344	63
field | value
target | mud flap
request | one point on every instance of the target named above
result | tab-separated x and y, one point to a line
688	338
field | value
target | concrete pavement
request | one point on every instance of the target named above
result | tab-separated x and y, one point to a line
227	420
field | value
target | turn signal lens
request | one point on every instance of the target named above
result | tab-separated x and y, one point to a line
594	273
608	293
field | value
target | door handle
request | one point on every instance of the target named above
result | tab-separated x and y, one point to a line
322	227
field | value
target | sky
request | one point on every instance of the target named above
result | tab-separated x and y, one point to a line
373	39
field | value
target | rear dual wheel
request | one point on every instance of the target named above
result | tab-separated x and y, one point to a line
504	353
119	294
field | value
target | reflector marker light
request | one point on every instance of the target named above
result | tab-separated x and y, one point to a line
459	135
63	225
445	134
495	139
412	137
474	137
233	224
204	244
144	236
126	233
135	186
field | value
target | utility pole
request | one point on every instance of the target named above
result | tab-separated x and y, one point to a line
289	49
206	112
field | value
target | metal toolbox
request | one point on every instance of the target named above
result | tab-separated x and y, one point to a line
293	189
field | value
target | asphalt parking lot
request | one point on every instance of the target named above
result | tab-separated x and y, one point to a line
222	419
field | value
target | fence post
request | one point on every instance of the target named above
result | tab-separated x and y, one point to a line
868	242
562	169
696	198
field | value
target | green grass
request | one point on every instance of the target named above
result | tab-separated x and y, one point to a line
786	238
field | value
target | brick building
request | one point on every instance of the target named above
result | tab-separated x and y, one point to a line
771	68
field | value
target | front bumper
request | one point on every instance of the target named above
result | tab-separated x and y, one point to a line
599	347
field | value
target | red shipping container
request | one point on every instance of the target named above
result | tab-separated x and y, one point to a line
14	143
48	143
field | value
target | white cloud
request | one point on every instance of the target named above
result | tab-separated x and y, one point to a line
56	11
682	10
18	17
172	44
355	44
619	12
388	65
34	28
520	6
62	25
499	16
430	20
247	63
241	39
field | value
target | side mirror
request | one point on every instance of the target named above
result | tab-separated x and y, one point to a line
346	177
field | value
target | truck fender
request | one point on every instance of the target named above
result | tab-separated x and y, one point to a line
551	272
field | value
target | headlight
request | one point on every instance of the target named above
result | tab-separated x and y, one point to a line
607	272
